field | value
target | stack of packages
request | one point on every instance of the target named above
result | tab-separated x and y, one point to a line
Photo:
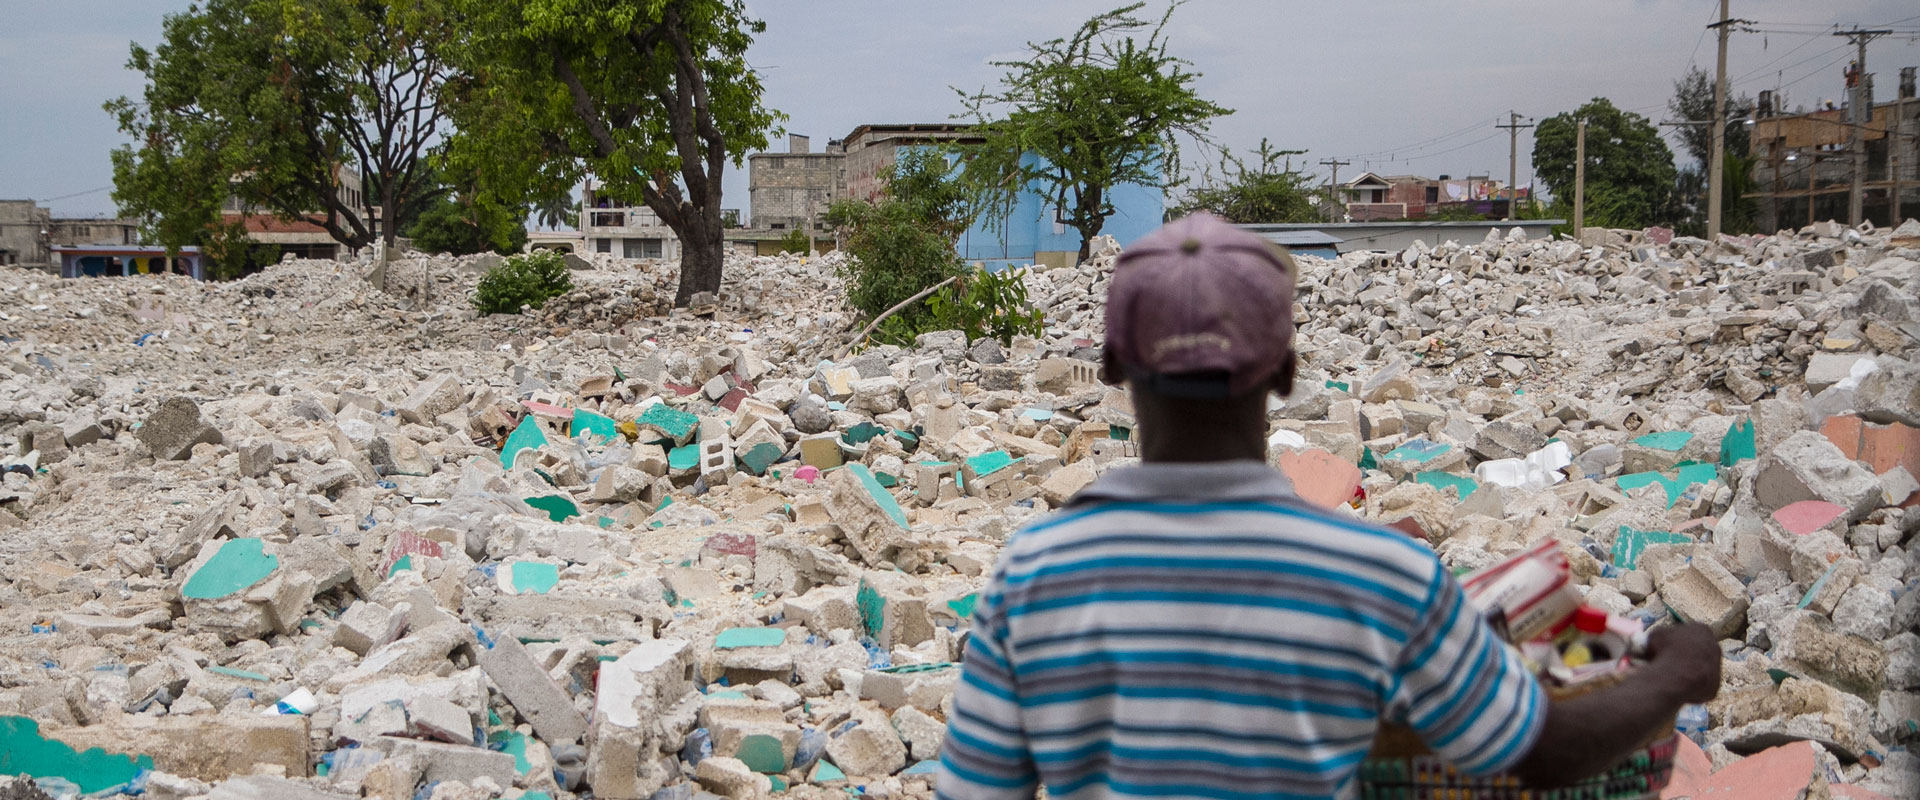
1572	648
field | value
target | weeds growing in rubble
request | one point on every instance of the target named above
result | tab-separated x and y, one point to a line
522	281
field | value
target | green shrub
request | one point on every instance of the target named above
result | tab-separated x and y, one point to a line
894	256
523	280
795	242
989	305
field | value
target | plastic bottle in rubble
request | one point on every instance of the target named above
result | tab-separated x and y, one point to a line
1692	723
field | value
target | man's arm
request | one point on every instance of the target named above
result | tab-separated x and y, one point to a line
1589	733
985	756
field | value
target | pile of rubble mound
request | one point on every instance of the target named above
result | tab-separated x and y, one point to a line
300	536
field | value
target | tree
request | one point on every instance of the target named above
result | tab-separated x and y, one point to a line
466	225
903	243
1081	115
652	97
268	101
1630	174
1270	191
1692	101
556	210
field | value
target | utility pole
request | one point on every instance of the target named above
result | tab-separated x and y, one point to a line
1719	138
1513	127
1334	181
1855	108
1579	178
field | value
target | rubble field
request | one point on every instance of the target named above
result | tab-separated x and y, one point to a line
304	536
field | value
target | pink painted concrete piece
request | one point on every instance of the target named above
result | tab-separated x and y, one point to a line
1807	516
1320	477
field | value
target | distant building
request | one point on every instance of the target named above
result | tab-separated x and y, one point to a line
791	191
305	237
113	261
1031	233
25	231
1803	164
1372	196
75	231
607	225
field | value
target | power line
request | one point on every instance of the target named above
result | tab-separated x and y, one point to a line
1420	144
75	194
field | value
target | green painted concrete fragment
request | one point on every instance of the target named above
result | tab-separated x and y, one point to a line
963	606
676	424
824	770
517	747
238	673
886	479
534	577
728	694
761	753
1119	433
759	458
1807	599
1630	543
526	436
1738	445
1689	474
732	638
990	462
605	522
1670	441
23	751
686	457
872	608
600	426
862	433
881	496
778	783
1461	484
238	564
1339	385
400	564
558	508
1419	451
1367	460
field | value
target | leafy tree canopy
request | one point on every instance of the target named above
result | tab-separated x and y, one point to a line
1269	191
650	97
1630	172
466	225
1083	114
1693	101
267	101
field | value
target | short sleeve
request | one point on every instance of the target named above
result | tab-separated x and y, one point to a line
1466	693
985	756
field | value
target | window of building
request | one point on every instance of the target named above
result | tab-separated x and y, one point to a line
608	219
603	245
1433	194
640	248
778	226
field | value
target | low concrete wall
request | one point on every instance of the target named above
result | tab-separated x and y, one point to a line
1396	236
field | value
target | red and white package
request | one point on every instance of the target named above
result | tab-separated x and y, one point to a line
1533	589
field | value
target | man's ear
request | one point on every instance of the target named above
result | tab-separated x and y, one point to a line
1111	372
1283	377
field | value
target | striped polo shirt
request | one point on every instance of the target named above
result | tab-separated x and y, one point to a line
1197	630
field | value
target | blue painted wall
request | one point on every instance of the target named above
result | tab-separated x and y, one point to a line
1030	228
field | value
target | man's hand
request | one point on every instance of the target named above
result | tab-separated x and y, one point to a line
1685	659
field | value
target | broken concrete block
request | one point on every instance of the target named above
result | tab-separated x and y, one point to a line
821	451
871	749
532	692
1705	592
1503	439
1064	375
891	610
731	778
236	588
172	430
1808	644
1806	466
202	747
431	398
867	513
923	734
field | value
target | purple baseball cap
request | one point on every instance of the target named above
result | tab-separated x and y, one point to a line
1199	309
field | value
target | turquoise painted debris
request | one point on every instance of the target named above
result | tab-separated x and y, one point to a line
1670	441
881	496
1419	451
963	606
1461	484
685	457
1689	475
732	638
1738	445
558	507
761	457
990	462
527	436
762	753
23	751
669	422
238	564
600	427
1630	543
533	577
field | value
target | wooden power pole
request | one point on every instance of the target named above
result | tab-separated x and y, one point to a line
1513	127
1716	163
1860	109
1333	183
1579	178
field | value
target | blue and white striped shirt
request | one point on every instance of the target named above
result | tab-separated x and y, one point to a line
1196	630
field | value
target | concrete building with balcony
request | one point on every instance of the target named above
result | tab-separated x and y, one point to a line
1804	162
607	225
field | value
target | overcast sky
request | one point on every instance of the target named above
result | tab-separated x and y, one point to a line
1397	87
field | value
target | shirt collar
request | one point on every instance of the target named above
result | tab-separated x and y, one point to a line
1242	480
